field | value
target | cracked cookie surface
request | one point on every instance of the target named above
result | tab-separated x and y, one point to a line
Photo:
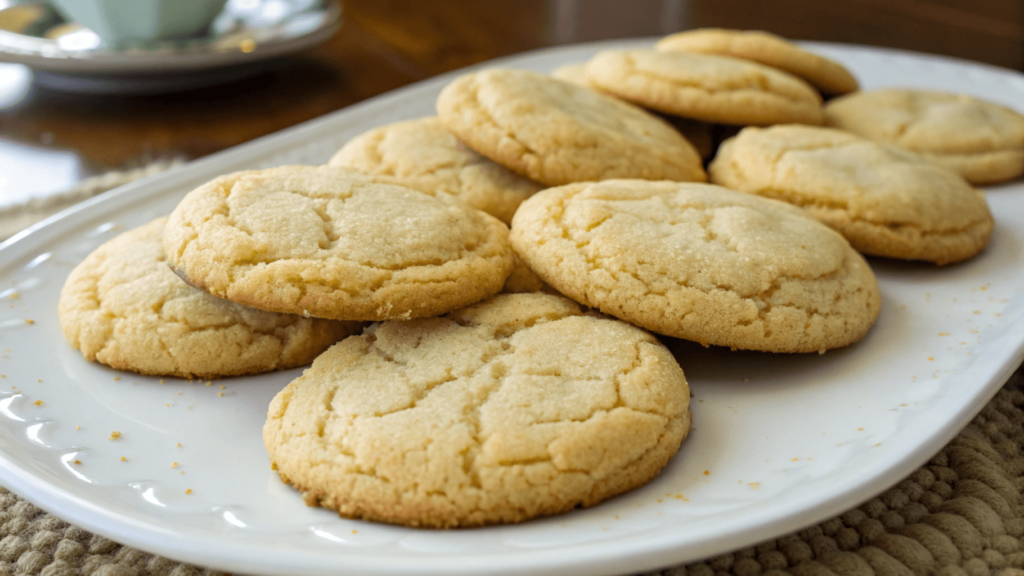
826	75
700	262
123	307
982	141
885	200
555	132
517	407
335	243
705	87
424	156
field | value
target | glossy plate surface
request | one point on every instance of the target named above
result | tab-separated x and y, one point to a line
780	442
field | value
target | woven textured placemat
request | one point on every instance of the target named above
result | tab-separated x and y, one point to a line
17	217
960	515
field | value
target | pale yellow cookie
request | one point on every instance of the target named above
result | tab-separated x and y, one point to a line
517	407
335	243
982	141
703	87
826	75
424	156
885	200
699	262
555	132
123	307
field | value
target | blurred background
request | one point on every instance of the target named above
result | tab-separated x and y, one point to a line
64	137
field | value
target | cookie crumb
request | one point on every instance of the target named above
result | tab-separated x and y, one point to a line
38	402
175	465
78	461
114	435
223	387
354	532
707	472
161	381
189	491
78	427
179	444
220	393
117	378
209	383
29	321
123	459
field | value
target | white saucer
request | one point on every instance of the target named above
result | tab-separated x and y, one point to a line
244	39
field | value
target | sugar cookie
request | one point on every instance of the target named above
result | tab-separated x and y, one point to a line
424	156
982	141
703	87
885	200
555	132
123	307
699	262
335	243
517	407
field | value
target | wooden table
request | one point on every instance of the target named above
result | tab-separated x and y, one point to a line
385	44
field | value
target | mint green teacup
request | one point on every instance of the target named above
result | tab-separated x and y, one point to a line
122	23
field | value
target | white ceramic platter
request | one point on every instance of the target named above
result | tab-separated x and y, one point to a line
780	442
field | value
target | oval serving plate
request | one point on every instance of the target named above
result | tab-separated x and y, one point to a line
780	441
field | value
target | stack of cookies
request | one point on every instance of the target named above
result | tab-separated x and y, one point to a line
492	276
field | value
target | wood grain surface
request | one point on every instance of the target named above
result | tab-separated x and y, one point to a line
385	44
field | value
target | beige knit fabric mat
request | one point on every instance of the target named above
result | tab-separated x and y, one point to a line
14	218
961	514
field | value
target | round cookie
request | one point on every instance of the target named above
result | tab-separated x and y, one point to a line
555	132
703	87
699	262
769	49
517	407
982	141
885	200
424	156
123	307
335	243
